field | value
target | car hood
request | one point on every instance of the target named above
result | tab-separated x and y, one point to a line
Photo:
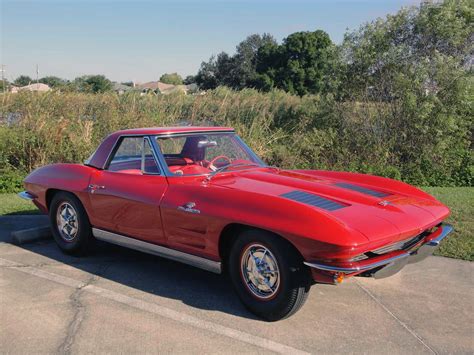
383	210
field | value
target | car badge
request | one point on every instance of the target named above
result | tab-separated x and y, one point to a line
384	203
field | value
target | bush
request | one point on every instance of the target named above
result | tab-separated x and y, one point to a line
424	143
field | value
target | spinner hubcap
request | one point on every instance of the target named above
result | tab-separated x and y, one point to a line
66	220
260	271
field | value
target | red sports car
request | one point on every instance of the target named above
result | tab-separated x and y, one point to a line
199	195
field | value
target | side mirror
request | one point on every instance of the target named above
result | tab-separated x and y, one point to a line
207	144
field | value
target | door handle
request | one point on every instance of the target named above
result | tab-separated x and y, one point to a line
93	188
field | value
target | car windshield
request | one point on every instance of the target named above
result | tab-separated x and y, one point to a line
202	153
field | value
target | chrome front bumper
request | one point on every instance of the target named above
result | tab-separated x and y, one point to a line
393	262
26	196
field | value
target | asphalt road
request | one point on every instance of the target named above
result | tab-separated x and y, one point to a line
122	301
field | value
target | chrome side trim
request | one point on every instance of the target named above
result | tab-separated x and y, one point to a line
348	270
26	196
446	229
193	260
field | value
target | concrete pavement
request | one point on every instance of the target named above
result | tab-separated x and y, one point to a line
121	301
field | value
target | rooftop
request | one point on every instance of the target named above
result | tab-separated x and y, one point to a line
171	130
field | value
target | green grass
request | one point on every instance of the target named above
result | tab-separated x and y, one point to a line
11	204
460	200
459	245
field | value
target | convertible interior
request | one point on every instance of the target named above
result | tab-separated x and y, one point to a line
192	155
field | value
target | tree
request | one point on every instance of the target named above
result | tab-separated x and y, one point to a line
219	70
246	59
190	79
93	83
237	71
53	81
302	64
416	66
173	78
22	80
411	42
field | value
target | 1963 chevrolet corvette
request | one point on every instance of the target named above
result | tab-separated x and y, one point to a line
199	195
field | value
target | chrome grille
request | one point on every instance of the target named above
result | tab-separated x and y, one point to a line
401	245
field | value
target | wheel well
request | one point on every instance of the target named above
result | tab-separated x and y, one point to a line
51	192
230	234
49	196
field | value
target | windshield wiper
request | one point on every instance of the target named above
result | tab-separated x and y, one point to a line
224	168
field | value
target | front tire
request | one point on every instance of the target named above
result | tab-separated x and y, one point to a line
70	224
268	275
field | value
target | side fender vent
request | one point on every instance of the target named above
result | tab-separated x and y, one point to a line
362	190
313	200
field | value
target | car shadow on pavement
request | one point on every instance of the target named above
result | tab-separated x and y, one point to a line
152	274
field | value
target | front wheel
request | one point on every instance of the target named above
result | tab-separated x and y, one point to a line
268	275
70	224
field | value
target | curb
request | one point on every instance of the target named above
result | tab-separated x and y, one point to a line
31	235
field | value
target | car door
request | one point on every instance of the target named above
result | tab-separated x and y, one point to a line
125	197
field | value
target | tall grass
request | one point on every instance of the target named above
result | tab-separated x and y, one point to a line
293	132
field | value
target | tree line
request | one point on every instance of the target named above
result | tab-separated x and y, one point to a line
87	83
417	45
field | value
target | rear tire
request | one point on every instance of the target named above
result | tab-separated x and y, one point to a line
268	275
70	224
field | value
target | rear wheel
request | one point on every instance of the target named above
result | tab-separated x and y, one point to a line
70	224
268	275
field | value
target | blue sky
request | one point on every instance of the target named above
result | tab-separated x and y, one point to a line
140	40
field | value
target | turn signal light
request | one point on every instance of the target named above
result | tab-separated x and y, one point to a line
338	278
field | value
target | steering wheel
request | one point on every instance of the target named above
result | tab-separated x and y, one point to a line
211	163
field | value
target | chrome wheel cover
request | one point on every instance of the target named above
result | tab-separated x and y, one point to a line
66	221
260	272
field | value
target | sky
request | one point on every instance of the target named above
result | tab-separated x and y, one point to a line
138	40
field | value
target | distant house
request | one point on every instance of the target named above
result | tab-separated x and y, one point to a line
33	87
158	87
120	88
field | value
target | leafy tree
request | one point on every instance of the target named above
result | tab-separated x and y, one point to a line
406	44
237	71
22	80
173	78
92	83
218	71
417	65
246	59
53	81
190	79
302	64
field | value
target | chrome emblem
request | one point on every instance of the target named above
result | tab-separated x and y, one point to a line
189	207
384	203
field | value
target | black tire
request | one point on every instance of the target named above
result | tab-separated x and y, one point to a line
294	277
82	240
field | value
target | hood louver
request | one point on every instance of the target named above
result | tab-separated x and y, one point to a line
313	200
362	190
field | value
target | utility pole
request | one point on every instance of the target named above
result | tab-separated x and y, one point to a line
37	77
3	77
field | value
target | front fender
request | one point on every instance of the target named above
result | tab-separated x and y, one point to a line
68	177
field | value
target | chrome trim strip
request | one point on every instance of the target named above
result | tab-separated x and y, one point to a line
26	196
446	229
193	260
348	270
